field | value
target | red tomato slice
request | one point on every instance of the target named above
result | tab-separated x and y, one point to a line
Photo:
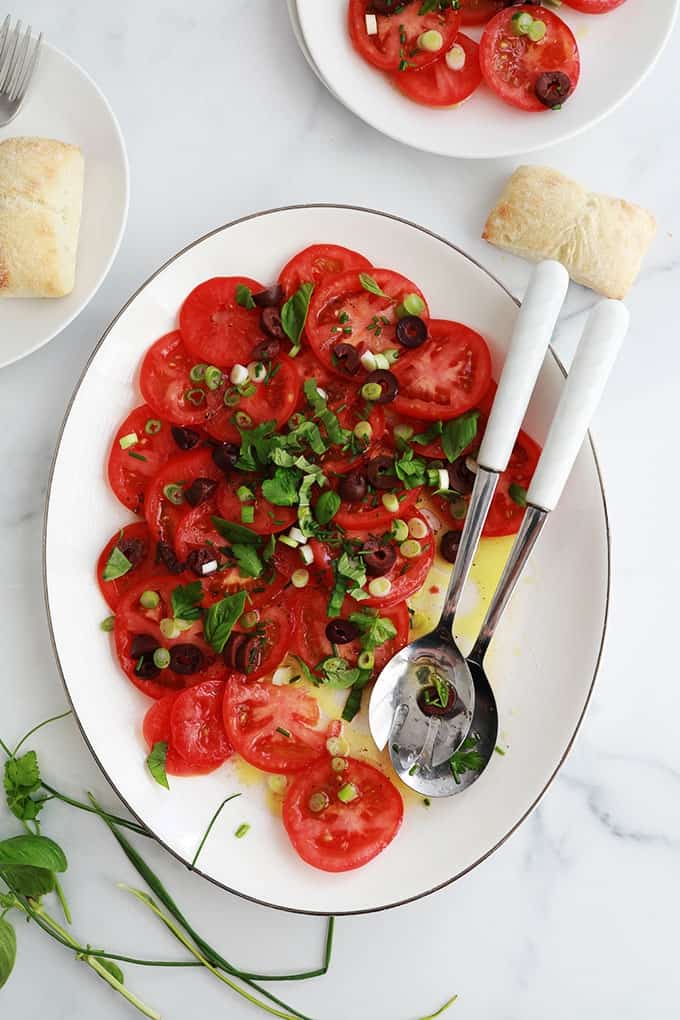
268	518
145	547
476	12
371	513
168	390
448	375
438	84
311	642
272	401
342	311
276	729
511	63
131	469
396	42
594	6
314	264
197	726
132	620
275	631
156	728
505	515
342	836
287	561
162	515
406	575
215	328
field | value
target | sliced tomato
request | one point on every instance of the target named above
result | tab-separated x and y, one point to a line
215	328
275	634
272	401
594	6
142	554
505	515
439	84
448	375
162	514
133	620
287	561
131	468
276	729
372	513
316	263
350	412
268	518
512	63
311	642
344	835
156	728
407	575
476	12
197	725
343	311
396	43
167	388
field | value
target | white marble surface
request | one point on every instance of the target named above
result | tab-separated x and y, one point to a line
577	914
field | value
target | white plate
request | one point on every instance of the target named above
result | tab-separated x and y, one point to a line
547	649
616	55
64	103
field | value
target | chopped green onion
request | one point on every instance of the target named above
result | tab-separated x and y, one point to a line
213	377
300	578
363	431
391	354
522	22
184	624
348	793
318	801
410	549
243	420
153	427
231	397
161	658
277	784
537	30
174	493
366	660
282	731
195	396
390	502
399	530
149	599
242	830
412	304
417	527
131	439
108	624
247	514
169	628
430	41
290	542
197	373
245	494
249	619
379	587
371	391
403	432
337	747
257	371
339	764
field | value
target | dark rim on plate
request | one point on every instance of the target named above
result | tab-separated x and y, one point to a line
175	853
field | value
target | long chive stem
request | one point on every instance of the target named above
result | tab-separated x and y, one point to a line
45	722
210	825
123	822
442	1009
304	975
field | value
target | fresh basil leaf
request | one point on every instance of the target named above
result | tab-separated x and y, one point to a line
32	851
354	569
518	494
244	296
337	435
336	672
221	617
256	444
282	489
249	562
28	881
305	670
327	507
116	566
294	312
337	596
410	470
186	600
156	763
353	703
235	532
375	630
428	6
369	284
458	433
466	758
8	950
424	438
282	458
21	779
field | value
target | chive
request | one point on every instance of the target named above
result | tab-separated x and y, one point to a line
499	750
137	456
247	514
242	830
108	624
282	731
195	396
426	801
153	427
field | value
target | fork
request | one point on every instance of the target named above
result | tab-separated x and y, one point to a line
18	61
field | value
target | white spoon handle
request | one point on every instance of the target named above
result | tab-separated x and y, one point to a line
600	344
533	329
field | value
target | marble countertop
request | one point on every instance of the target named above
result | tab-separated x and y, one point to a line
577	914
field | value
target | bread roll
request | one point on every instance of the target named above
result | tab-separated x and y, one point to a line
601	241
41	190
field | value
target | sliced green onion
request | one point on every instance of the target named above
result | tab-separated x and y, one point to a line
153	427
174	493
379	587
430	41
522	22
337	747
392	355
290	542
183	625
412	304
371	390
247	514
363	431
537	30
108	624
161	658
249	619
243	420
131	439
399	530
339	764
300	578
296	420
348	793
245	494
257	371
417	528
390	502
277	784
231	397
195	396
366	660
242	830
403	432
213	377
169	628
197	373
410	549
149	599
318	801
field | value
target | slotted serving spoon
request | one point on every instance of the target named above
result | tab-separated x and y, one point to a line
424	744
599	346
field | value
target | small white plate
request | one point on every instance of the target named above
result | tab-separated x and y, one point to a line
546	652
64	103
618	50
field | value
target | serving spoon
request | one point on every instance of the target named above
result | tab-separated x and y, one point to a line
421	744
599	346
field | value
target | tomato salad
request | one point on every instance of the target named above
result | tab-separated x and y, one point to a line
304	452
527	54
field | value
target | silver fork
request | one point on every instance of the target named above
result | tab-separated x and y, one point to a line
18	61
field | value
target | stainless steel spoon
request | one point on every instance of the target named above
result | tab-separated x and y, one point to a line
421	745
604	333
